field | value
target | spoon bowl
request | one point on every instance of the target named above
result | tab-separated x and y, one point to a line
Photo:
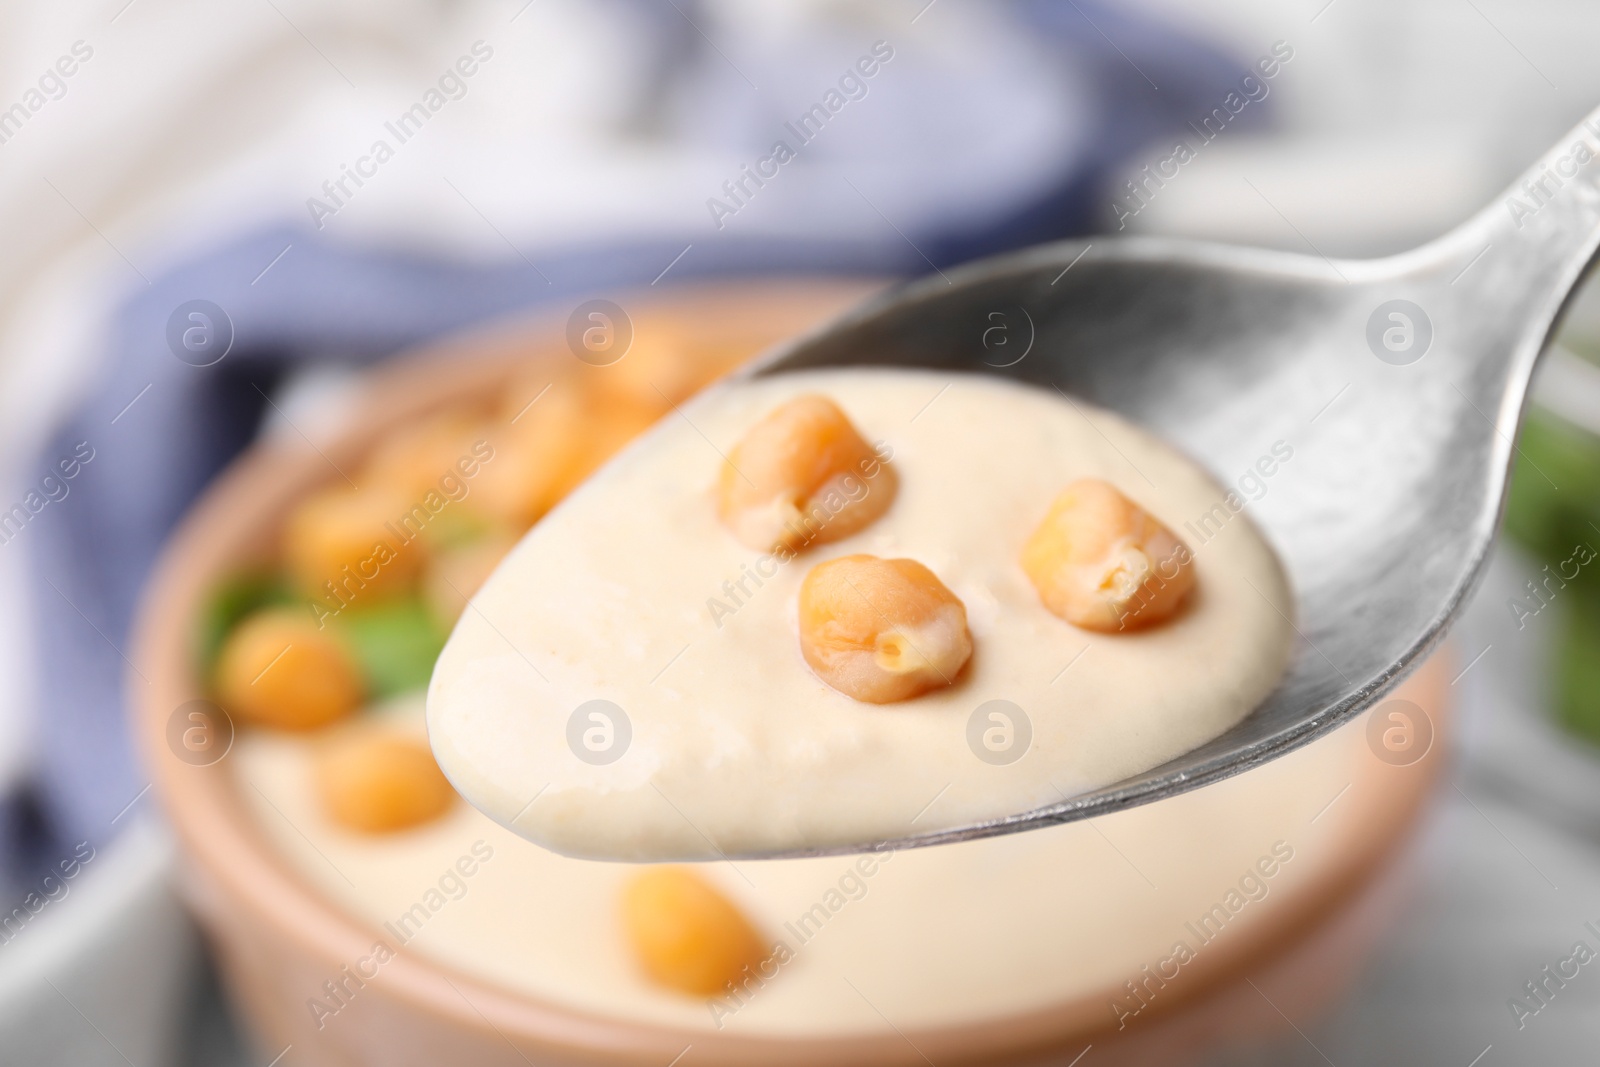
1362	413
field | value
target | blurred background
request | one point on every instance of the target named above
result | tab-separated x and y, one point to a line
158	152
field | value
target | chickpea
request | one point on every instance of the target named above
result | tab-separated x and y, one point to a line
881	630
665	365
1101	562
611	426
535	456
685	934
278	669
376	782
412	460
802	475
340	536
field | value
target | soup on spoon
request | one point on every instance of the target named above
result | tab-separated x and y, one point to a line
829	608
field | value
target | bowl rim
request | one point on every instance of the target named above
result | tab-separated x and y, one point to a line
232	522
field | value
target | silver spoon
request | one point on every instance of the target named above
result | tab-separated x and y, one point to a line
1398	384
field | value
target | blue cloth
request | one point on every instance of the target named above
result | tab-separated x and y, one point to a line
92	551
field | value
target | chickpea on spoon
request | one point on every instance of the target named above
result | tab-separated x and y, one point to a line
1395	385
811	642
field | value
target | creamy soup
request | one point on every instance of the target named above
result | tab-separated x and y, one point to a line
924	937
629	684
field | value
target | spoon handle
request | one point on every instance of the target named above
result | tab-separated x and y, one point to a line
1514	264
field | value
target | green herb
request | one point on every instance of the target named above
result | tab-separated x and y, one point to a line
1554	507
1555	488
396	642
1578	671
